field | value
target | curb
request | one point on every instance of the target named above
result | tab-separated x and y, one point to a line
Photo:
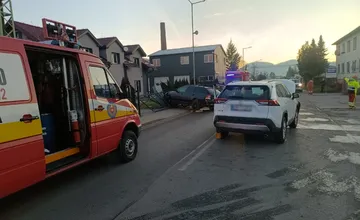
163	120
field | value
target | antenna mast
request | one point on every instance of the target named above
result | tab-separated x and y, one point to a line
7	26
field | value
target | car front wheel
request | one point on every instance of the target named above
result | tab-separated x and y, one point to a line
128	146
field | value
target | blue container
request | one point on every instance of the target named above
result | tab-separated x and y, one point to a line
48	127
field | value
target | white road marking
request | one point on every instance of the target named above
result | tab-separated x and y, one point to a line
330	127
305	113
347	139
335	156
325	183
315	119
204	147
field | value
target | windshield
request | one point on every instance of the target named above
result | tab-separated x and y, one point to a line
211	91
252	92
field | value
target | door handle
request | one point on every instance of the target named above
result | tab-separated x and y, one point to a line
99	108
28	118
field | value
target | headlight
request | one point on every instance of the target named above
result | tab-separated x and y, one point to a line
300	84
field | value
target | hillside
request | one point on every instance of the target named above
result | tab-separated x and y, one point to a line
279	69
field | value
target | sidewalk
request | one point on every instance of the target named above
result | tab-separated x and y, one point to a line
327	100
149	117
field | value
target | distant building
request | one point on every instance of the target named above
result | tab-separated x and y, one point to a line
121	60
176	64
348	55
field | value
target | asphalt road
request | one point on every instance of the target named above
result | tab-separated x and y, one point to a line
183	172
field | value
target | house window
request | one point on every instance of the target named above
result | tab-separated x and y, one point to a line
354	43
343	67
348	67
104	84
18	35
216	58
184	60
338	69
156	62
115	58
137	82
137	62
343	48
348	46
353	66
89	50
208	58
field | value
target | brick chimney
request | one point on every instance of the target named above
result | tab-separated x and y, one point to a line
163	36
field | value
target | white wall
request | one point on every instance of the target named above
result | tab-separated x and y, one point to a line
135	73
349	57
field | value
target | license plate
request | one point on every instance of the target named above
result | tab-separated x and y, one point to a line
243	108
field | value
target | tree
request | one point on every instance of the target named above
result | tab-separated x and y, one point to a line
312	60
272	75
232	57
261	76
290	73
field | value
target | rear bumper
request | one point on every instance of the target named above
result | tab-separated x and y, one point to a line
244	125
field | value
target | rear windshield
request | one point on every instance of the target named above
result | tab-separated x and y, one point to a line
211	91
247	92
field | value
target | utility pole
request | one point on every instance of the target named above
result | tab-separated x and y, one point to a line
243	55
7	26
192	35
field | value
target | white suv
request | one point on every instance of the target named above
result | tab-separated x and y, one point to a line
257	107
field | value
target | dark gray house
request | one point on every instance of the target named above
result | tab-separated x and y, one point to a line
176	64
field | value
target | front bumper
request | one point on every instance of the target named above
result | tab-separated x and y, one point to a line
244	125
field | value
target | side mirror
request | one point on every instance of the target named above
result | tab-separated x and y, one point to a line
295	95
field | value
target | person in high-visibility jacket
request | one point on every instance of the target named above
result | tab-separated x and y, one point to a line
310	87
353	86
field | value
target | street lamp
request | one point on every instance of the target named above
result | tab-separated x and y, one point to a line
243	55
193	33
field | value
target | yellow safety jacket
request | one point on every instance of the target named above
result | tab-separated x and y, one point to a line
352	84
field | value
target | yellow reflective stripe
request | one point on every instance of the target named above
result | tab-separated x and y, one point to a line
61	154
98	116
18	130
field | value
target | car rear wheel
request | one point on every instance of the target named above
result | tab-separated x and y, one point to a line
280	136
296	120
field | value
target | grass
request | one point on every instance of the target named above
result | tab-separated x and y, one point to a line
149	104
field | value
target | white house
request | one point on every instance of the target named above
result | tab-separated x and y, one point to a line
348	55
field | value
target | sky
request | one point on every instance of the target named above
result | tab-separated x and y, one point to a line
275	29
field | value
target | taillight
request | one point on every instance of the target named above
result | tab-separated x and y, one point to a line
208	97
220	100
268	102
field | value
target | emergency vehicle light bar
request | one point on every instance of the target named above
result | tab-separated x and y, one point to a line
54	30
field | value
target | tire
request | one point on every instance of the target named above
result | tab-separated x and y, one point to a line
128	146
280	136
224	134
195	105
296	120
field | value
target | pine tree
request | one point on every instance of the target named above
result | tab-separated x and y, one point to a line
322	53
232	56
